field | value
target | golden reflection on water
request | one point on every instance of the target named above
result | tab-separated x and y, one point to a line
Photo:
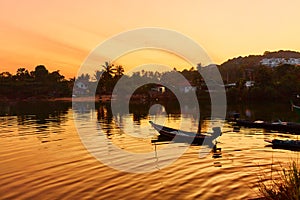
48	161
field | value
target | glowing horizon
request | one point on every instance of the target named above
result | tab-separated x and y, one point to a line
60	35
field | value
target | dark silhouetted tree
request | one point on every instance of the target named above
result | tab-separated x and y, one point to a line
40	73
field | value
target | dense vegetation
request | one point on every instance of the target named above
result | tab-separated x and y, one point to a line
242	67
35	84
280	83
283	184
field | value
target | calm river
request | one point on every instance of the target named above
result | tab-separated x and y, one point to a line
43	157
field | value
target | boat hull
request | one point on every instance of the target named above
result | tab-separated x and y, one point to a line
167	133
280	126
285	144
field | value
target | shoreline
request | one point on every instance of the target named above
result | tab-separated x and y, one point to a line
68	99
133	99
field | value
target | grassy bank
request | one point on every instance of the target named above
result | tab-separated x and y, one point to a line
281	184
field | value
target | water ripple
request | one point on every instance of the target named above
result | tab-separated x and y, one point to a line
48	161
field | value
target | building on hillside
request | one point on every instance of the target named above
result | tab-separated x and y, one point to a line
249	84
81	88
186	88
274	62
230	85
159	89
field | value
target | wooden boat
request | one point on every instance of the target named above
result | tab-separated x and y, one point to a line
168	133
285	144
290	127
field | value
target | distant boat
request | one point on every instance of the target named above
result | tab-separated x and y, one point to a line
285	144
184	136
290	127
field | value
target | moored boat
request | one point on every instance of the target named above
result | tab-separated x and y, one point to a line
185	136
285	144
290	127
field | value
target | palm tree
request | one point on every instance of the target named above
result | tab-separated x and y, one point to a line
105	78
119	71
84	77
98	75
108	70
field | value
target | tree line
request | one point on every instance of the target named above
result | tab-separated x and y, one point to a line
281	82
277	83
39	83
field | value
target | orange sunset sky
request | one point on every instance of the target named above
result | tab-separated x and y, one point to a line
61	33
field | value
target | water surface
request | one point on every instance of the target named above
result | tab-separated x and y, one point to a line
42	155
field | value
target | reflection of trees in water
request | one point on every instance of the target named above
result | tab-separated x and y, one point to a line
41	118
105	117
83	107
104	113
271	111
140	111
36	112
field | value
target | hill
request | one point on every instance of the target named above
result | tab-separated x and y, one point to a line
239	68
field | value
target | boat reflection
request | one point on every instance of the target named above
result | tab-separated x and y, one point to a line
217	152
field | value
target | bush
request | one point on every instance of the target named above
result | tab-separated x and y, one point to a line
285	185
